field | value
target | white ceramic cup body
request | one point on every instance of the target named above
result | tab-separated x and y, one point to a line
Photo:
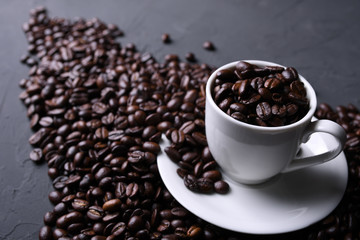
253	154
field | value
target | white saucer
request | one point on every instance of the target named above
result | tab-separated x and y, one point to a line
286	203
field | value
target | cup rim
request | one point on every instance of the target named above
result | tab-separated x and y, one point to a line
310	93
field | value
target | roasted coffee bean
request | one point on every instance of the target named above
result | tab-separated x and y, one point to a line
187	127
190	57
298	88
225	103
80	204
226	75
200	138
191	183
166	38
173	154
49	219
194	232
55	197
112	205
95	213
182	172
239	116
222	93
213	175
265	94
36	155
278	110
242	66
205	185
119	229
290	74
291	109
240	88
151	147
257	83
37	137
45	233
174	104
208	46
252	101
120	190
60	209
272	83
263	110
221	187
58	233
135	223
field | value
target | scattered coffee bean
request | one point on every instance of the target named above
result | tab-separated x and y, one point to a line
208	46
221	187
190	57
166	38
36	155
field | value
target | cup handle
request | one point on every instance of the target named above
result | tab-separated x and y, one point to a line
303	160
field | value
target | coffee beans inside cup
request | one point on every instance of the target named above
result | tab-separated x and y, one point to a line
268	96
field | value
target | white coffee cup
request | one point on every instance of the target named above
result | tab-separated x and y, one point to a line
253	154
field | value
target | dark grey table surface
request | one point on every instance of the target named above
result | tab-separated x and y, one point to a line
320	38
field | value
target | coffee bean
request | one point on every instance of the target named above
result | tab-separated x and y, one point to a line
80	204
112	205
49	219
200	138
263	110
257	83
265	93
290	74
205	185
298	88
241	87
194	232
226	75
291	109
166	38
58	233
151	147
208	46
213	175
36	155
221	187
119	229
190	57
225	103
95	213
177	137
55	197
37	137
272	83
45	233
191	183
135	223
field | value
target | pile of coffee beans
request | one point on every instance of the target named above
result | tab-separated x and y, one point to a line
190	151
98	111
265	96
